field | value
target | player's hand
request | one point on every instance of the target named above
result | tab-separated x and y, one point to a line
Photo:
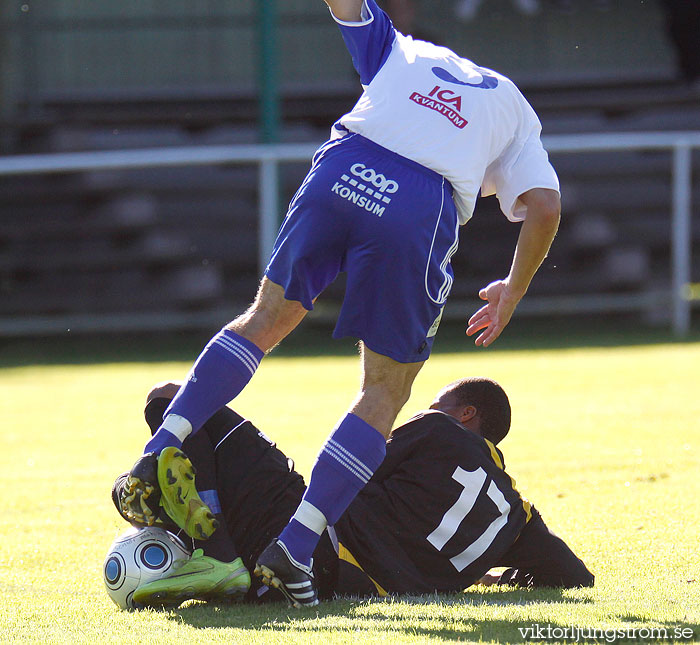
493	317
489	579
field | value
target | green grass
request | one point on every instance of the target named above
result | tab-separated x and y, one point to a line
605	441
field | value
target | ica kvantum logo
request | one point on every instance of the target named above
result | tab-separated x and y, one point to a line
448	102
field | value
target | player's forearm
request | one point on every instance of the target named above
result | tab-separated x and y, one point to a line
346	10
535	239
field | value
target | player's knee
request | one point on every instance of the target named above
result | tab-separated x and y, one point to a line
404	395
390	396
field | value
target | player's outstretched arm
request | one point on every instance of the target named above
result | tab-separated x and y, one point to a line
536	235
346	10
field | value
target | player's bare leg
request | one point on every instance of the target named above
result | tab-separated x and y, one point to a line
386	386
270	318
345	464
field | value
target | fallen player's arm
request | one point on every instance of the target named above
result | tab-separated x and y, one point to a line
346	10
540	558
536	235
489	579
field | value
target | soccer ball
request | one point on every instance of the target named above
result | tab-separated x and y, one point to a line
139	556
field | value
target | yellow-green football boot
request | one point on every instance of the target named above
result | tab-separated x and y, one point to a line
199	578
179	496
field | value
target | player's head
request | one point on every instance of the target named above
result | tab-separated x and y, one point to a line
478	403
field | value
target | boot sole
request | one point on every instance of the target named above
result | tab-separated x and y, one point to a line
179	496
271	580
135	501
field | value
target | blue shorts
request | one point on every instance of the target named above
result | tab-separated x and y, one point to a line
387	221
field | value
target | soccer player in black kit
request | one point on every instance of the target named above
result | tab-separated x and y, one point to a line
436	516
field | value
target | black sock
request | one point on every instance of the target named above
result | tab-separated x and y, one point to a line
220	545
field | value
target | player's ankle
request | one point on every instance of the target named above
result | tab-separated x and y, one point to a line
160	441
299	542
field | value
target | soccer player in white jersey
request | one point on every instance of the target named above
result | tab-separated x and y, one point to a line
383	201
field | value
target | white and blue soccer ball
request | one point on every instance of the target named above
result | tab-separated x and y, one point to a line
139	556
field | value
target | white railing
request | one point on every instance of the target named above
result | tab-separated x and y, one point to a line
681	144
269	156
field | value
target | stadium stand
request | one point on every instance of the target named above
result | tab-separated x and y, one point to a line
185	239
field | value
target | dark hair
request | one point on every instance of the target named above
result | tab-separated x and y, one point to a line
490	401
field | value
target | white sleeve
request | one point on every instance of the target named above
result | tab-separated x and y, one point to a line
523	165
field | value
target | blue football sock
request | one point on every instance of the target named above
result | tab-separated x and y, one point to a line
222	370
345	464
161	440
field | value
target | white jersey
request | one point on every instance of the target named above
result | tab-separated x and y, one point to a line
467	123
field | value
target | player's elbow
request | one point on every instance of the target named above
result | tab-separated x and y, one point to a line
589	581
544	206
551	207
579	577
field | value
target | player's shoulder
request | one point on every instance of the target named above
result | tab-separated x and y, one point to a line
458	71
432	418
422	48
440	433
439	430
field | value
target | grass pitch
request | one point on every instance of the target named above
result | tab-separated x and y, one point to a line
605	442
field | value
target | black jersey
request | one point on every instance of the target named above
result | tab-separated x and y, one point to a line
439	511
